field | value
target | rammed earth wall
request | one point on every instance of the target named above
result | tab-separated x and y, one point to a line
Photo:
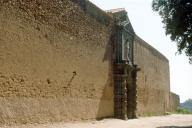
174	102
54	65
153	79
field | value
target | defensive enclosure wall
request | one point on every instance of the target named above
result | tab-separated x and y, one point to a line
174	102
55	64
153	79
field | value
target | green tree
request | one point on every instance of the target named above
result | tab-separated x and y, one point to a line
177	18
187	104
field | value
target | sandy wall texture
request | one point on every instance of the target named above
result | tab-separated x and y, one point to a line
54	63
153	79
174	102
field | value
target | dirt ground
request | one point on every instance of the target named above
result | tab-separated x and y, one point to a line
171	121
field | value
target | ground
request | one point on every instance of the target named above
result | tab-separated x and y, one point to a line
170	121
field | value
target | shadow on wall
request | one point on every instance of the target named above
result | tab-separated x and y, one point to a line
175	127
106	104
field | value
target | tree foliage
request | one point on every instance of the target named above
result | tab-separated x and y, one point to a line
177	18
187	104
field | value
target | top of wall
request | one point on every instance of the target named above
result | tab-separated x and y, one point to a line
174	94
150	48
93	11
116	10
82	20
104	17
50	11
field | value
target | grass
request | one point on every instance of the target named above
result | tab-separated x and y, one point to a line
182	111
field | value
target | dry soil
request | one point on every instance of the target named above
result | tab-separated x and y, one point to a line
171	121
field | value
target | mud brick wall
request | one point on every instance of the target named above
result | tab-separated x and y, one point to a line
93	11
174	102
54	63
153	79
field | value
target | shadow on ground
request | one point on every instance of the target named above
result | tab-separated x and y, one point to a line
175	127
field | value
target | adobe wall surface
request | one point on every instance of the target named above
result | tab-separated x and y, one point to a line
153	79
54	63
174	102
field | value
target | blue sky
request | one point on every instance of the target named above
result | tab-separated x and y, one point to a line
147	24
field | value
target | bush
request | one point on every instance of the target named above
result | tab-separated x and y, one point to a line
183	111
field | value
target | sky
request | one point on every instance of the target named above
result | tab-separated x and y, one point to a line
147	25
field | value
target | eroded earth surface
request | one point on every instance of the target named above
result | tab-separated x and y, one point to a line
170	121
